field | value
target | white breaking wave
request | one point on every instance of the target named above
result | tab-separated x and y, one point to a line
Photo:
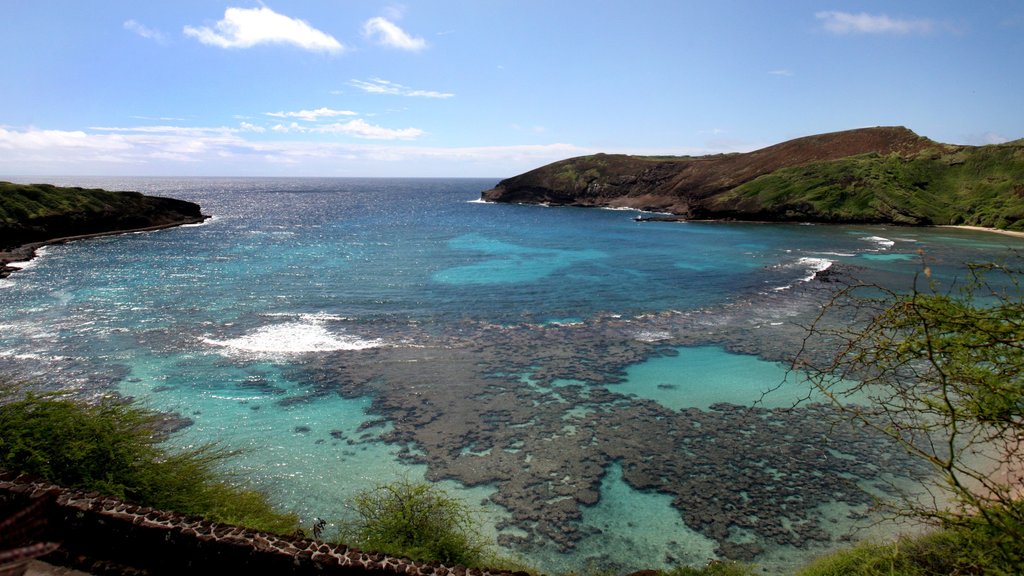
841	254
293	338
203	223
813	266
881	243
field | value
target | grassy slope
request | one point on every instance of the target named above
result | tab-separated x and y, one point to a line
982	186
34	212
21	202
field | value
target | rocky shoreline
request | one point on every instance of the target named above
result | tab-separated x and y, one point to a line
36	215
11	257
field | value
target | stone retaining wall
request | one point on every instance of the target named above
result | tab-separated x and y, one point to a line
105	535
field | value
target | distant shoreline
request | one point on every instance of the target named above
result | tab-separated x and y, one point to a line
984	229
26	252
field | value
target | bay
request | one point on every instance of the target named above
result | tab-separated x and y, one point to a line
345	332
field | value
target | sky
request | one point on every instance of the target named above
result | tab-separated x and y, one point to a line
483	88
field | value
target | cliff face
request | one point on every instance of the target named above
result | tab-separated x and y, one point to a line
851	176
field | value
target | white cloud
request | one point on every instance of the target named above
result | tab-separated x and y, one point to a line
196	131
387	33
378	86
312	115
784	72
247	27
232	151
249	127
144	31
362	129
864	23
293	127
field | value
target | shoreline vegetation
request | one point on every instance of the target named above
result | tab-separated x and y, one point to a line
37	215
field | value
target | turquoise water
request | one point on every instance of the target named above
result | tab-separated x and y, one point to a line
344	332
699	377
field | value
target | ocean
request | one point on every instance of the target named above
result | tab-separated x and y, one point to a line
608	394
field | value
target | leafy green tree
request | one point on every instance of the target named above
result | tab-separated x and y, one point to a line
942	374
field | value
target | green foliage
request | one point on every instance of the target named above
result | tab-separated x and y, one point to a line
415	520
945	552
982	186
114	448
944	374
22	202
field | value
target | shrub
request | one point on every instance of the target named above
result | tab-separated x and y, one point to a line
416	520
957	551
113	447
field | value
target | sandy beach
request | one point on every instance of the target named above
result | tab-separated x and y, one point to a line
983	229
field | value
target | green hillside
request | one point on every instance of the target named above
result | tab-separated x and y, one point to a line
979	186
867	175
40	212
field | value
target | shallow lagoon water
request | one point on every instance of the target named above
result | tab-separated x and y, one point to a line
698	377
279	327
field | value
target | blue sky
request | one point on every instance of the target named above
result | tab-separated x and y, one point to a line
483	87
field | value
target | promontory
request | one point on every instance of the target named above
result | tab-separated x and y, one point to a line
884	175
32	215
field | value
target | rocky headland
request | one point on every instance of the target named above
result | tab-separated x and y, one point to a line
32	215
881	175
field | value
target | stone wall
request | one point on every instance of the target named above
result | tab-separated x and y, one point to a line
104	535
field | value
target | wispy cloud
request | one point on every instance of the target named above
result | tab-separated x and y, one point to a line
784	72
378	86
226	151
312	115
385	32
247	27
363	129
145	31
168	129
357	128
864	23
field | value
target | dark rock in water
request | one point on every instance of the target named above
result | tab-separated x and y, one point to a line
302	429
460	406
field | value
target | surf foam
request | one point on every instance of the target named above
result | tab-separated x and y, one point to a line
880	242
308	335
813	266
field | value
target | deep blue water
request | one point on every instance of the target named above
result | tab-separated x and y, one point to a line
221	322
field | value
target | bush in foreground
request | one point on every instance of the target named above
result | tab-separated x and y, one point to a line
416	520
113	447
952	552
